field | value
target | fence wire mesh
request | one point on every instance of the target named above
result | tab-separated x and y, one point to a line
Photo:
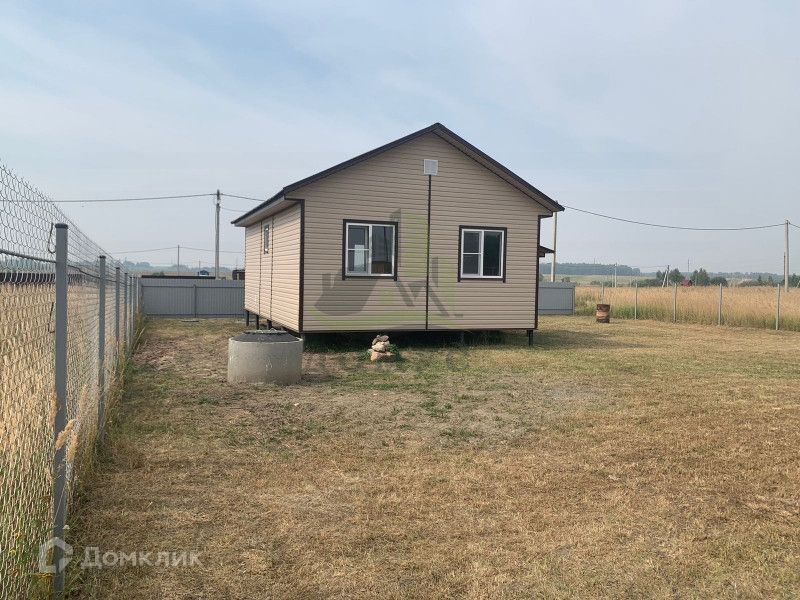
27	371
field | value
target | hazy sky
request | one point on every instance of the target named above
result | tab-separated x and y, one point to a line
675	112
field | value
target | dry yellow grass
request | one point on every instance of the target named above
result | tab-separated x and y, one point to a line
634	459
741	306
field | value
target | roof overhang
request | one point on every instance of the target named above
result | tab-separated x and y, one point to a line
260	211
274	205
544	251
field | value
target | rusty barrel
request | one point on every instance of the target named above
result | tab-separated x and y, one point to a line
603	314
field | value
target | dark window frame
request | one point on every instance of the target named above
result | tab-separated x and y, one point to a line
504	254
396	257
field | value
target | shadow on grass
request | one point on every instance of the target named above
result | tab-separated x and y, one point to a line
360	341
542	340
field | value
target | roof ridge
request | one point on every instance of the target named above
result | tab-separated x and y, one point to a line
444	133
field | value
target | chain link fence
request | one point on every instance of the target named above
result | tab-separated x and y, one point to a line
66	315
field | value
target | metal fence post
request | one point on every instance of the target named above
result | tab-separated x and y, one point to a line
194	299
116	310
778	310
135	308
101	351
125	312
636	301
675	303
129	316
719	309
59	458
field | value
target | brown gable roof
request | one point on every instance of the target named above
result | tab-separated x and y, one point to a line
444	133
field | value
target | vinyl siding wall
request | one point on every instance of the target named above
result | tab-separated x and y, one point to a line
285	251
272	281
252	265
392	187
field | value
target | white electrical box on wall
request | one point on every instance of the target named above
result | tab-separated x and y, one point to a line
430	166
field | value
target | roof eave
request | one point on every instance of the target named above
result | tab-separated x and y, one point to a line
259	212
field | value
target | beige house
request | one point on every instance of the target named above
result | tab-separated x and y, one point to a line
424	233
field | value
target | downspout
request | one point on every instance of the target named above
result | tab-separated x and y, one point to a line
428	255
260	259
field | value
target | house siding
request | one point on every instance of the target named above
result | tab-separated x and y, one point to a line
252	264
285	251
392	187
272	282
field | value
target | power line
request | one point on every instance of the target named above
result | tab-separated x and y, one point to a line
174	248
142	198
596	214
243	197
206	250
148	250
232	209
138	199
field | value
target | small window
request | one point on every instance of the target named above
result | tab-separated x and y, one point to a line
370	249
266	239
482	253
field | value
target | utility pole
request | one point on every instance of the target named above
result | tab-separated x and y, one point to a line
555	233
615	274
786	256
179	258
216	239
666	274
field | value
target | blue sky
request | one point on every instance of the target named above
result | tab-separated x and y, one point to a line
676	112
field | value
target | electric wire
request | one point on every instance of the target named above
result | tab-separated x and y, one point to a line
581	210
137	199
175	248
596	214
243	197
207	250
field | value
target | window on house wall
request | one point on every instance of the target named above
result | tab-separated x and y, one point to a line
370	249
266	239
482	253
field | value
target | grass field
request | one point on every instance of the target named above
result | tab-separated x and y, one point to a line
636	459
741	306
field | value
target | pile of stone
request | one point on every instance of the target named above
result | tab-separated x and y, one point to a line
380	348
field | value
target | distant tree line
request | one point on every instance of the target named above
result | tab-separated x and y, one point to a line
699	277
794	281
590	269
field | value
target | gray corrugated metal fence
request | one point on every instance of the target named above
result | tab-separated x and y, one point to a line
556	298
177	297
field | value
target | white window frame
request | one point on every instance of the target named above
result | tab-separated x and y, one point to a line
265	230
481	233
346	250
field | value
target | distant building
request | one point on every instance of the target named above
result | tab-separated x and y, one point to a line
237	274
